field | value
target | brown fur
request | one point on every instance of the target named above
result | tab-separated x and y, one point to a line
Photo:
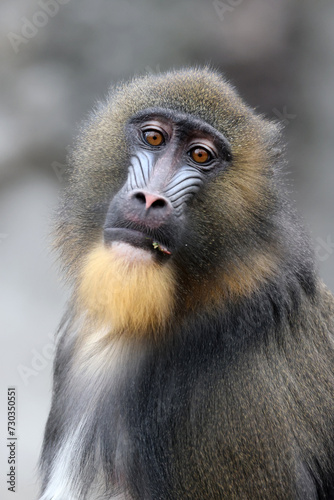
239	280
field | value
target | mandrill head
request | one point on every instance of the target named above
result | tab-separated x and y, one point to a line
174	205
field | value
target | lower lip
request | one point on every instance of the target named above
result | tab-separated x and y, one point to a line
135	238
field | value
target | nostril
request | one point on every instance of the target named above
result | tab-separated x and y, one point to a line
140	197
160	203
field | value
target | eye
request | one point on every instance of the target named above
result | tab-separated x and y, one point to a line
200	155
153	137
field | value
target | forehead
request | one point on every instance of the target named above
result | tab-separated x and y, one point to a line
196	98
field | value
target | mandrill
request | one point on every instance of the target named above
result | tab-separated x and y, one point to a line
196	357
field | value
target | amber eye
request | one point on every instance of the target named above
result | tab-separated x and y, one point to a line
200	155
153	137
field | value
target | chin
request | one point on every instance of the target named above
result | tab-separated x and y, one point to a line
130	254
125	289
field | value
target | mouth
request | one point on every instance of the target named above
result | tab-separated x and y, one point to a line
137	239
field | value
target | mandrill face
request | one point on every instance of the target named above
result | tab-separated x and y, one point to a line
173	156
173	192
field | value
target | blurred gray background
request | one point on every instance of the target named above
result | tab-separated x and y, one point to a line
57	58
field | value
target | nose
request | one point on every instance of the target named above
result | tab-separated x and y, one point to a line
150	200
148	206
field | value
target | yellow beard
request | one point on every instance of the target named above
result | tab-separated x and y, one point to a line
124	288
